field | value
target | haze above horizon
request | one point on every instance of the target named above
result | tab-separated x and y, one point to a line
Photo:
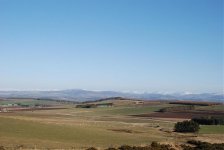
120	45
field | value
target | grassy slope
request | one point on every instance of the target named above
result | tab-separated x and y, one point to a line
65	135
78	127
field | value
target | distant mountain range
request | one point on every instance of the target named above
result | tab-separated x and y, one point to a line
84	95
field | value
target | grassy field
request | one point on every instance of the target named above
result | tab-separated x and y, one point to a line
212	129
80	128
63	135
215	107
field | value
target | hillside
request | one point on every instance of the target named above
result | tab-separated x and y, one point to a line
84	95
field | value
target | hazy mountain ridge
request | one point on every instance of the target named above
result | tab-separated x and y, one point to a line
84	95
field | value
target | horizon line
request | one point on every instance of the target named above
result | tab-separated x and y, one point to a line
121	91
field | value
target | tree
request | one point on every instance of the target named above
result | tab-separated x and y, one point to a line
186	126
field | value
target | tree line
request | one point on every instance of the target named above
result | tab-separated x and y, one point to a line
177	108
209	120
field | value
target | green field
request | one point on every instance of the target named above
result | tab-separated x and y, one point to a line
212	129
79	128
215	107
63	135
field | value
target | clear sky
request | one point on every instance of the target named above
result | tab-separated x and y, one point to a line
122	45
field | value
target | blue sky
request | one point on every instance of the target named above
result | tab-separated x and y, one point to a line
122	45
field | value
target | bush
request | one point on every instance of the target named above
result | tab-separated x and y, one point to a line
186	126
192	145
111	148
91	148
125	147
203	146
2	148
153	146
